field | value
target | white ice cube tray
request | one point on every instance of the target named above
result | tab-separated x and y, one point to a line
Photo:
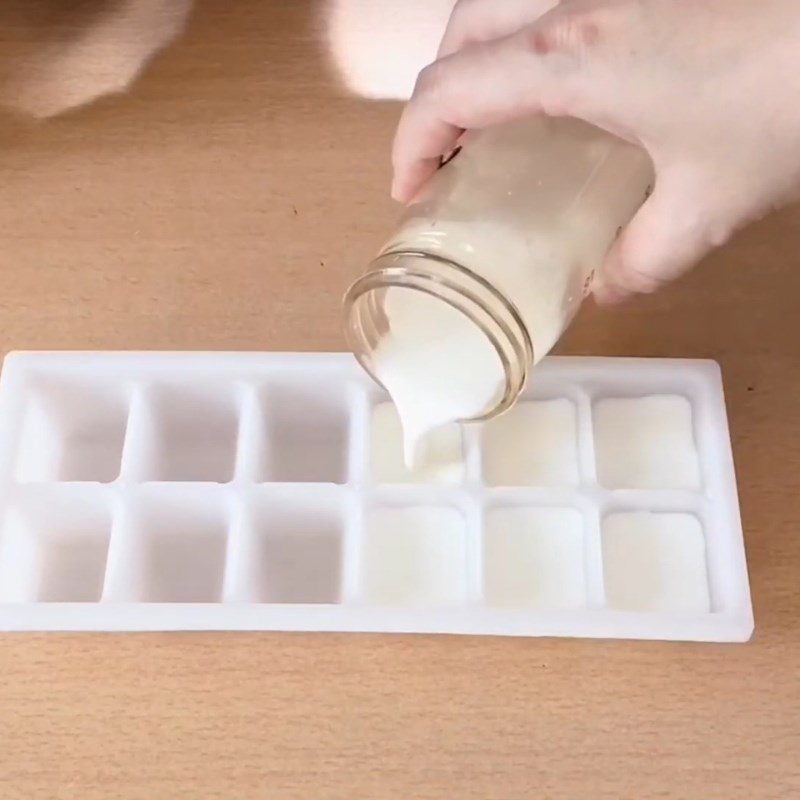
176	491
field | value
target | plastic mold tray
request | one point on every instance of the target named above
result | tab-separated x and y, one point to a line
177	491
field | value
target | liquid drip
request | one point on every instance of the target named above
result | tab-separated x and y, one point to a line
439	368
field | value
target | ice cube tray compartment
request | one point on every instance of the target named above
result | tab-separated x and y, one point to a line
169	545
54	546
287	546
415	556
301	431
72	431
152	491
535	558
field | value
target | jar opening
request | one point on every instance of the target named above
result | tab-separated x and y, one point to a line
367	322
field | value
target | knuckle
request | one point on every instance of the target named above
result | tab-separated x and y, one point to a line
428	81
570	31
705	224
719	233
640	267
691	223
639	275
556	101
645	282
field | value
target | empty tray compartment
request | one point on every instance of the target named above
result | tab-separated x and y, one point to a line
169	546
54	546
303	430
72	430
184	432
289	547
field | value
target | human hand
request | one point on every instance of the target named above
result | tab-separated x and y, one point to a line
710	89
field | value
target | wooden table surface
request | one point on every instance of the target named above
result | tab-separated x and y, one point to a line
202	178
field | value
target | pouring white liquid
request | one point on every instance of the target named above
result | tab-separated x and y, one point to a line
438	367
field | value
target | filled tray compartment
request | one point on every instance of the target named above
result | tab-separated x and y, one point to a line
536	557
417	550
549	455
646	443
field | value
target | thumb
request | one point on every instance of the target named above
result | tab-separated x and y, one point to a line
668	235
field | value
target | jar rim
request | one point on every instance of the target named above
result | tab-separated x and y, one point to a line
391	269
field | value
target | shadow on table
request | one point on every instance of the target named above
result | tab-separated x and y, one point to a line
60	54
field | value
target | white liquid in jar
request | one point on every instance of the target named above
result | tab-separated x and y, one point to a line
438	366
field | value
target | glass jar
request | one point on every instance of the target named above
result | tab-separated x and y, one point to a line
507	234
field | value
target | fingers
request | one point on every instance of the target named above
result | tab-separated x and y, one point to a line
482	85
416	159
474	21
668	235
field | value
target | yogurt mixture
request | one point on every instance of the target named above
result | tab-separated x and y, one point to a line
439	369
